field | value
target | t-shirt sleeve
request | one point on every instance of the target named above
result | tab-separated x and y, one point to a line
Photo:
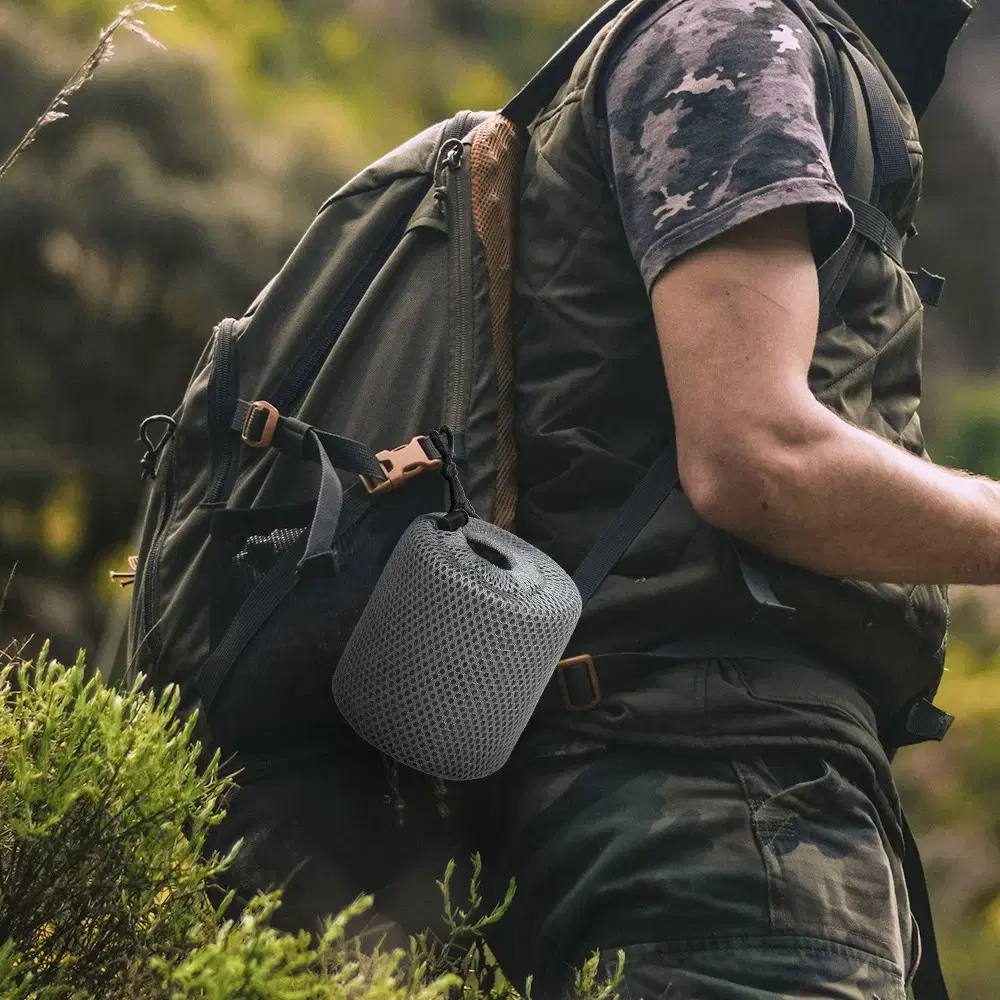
710	113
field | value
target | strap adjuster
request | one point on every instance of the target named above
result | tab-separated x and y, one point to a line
400	464
259	425
589	668
920	722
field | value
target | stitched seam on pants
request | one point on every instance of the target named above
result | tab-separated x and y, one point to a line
758	840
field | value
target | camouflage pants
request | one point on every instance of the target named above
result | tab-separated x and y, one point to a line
757	877
724	874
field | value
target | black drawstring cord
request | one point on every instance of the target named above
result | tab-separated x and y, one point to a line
461	510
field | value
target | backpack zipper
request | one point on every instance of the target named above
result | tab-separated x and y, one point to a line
222	393
290	392
150	576
458	198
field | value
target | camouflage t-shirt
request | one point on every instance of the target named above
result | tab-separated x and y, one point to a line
712	112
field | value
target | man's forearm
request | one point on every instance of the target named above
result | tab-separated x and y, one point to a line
843	502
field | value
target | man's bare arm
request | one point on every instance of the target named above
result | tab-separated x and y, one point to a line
761	458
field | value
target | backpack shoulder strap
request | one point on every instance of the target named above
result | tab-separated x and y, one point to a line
656	485
544	85
868	153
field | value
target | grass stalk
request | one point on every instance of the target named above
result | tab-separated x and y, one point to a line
126	19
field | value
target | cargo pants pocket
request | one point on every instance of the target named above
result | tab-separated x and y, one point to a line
830	870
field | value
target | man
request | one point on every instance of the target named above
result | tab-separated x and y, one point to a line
725	812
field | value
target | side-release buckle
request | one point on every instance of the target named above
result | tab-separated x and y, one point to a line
402	463
574	672
259	425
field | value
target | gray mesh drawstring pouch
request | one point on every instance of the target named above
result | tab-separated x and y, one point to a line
464	629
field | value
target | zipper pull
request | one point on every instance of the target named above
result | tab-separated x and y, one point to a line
124	579
450	158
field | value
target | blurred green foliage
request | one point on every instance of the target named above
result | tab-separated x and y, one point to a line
363	74
180	182
968	432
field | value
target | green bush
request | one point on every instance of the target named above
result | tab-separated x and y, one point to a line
105	803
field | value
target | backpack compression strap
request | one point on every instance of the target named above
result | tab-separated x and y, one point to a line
616	539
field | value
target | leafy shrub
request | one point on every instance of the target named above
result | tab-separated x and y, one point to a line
103	816
105	803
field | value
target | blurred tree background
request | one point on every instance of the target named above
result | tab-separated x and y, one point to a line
182	179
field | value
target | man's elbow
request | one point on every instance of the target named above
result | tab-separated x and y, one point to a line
739	486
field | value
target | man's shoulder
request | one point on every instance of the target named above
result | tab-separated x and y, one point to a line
694	32
683	61
712	111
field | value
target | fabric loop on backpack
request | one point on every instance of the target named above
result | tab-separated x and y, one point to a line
769	609
921	722
329	501
444	441
930	287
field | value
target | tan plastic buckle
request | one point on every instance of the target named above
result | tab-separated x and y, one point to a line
267	432
400	464
595	685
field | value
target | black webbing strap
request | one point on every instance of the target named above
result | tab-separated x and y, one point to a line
928	981
257	608
326	517
759	588
847	136
862	181
272	590
646	499
891	155
301	440
877	228
544	85
855	172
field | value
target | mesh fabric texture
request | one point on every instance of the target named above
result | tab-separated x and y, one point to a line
452	653
495	159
